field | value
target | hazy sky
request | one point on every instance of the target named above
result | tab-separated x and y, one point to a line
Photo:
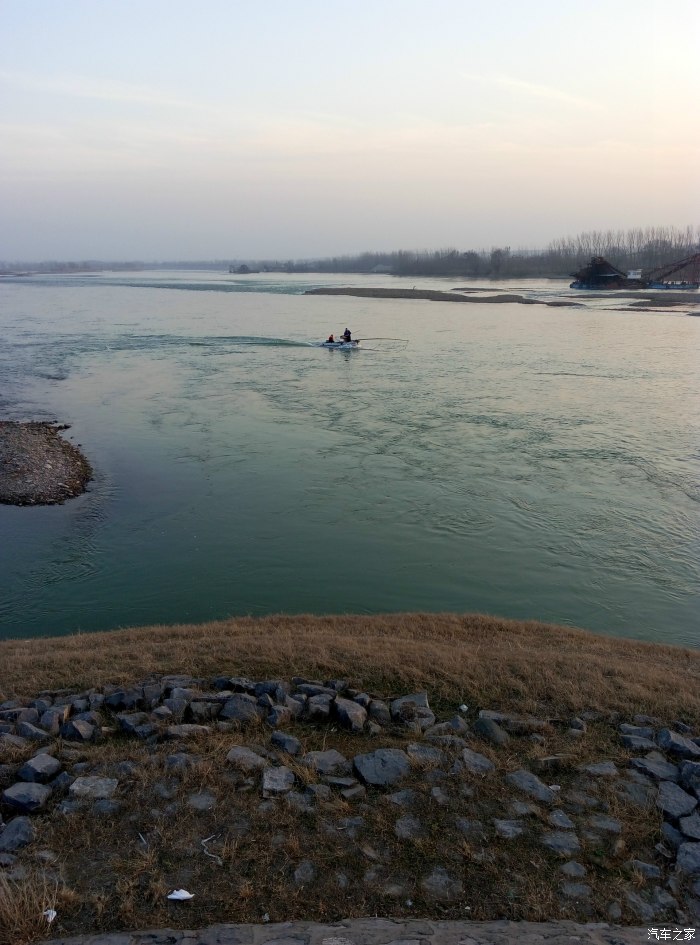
175	129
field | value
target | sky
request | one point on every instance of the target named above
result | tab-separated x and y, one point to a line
175	130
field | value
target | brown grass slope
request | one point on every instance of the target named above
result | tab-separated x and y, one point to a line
524	666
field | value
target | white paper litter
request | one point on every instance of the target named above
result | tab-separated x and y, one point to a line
180	895
463	708
50	915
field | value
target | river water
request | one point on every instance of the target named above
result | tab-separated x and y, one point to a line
519	460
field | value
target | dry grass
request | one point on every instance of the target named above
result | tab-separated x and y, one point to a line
22	907
475	659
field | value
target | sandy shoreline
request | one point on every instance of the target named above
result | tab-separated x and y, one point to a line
39	467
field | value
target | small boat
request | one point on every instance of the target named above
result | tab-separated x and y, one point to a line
340	345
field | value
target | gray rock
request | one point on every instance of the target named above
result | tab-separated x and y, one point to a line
675	744
350	714
476	763
674	838
246	760
643	910
690	776
551	763
576	890
530	784
277	781
559	819
351	826
605	824
17	833
354	793
399	708
640	731
655	765
200	712
523	809
439	796
242	708
106	807
455	726
382	767
425	754
614	911
378	711
440	885
305	873
186	731
33	734
201	801
470	828
77	730
405	798
601	769
286	742
647	870
635	743
41	769
318	707
573	870
12	741
26	797
690	826
562	842
52	719
508	829
408	827
674	801
94	788
329	762
688	859
526	726
491	731
279	715
633	792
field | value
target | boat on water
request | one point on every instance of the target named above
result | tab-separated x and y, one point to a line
601	274
340	345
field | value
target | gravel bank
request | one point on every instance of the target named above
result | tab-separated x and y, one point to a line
37	466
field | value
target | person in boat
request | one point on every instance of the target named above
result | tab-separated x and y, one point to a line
331	340
347	335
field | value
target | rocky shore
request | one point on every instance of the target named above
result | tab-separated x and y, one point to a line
39	467
288	799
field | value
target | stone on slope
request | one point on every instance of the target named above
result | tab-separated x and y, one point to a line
439	884
491	731
382	767
562	842
688	859
245	760
350	714
329	762
675	744
674	801
655	766
476	763
529	783
26	796
18	833
94	788
40	768
277	781
690	826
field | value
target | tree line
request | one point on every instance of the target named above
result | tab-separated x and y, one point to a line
639	248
